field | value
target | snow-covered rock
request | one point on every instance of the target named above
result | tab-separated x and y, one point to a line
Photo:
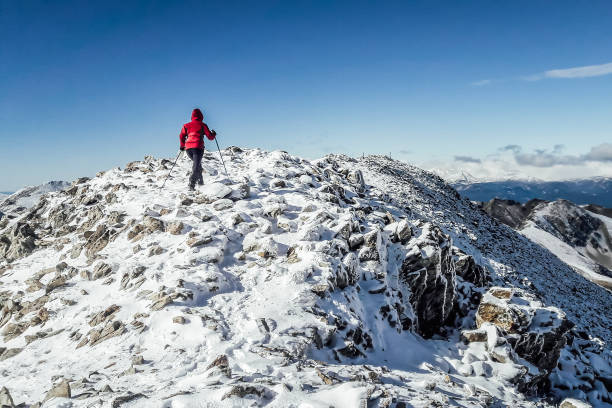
348	285
17	203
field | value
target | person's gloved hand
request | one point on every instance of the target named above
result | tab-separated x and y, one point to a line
213	133
182	148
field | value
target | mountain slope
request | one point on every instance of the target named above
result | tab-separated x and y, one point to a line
578	237
335	282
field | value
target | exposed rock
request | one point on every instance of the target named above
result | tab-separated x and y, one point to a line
111	329
55	283
221	363
467	268
13	330
179	320
5	353
155	250
61	390
278	183
119	401
18	241
503	315
242	192
5	399
356	177
97	240
101	270
536	333
472	336
428	274
152	225
242	391
104	315
223	204
574	403
355	241
402	232
175	228
371	245
198	241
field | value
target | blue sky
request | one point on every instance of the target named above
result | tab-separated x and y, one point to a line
85	86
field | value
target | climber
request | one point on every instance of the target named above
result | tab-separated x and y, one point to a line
192	139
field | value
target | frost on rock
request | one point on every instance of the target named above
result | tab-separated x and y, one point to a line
536	333
427	275
337	282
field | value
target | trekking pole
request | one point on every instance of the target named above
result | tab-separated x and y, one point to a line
220	155
177	157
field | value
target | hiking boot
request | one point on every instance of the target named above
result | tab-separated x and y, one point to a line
191	188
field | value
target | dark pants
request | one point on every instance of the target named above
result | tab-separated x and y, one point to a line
196	170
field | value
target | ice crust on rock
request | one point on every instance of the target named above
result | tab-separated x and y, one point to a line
349	283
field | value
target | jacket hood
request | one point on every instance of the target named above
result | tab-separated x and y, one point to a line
197	115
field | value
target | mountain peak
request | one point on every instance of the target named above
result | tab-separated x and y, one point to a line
338	281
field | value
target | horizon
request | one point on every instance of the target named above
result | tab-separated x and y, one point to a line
495	90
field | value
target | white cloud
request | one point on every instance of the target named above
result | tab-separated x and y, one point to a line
482	82
512	162
580	72
566	73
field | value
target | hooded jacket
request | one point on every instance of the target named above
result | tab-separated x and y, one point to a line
192	133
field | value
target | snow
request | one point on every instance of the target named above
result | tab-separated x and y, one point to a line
566	253
244	273
27	197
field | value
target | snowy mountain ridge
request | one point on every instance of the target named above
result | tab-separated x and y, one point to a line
18	202
293	283
579	237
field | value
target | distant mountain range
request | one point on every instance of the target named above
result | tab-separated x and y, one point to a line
584	191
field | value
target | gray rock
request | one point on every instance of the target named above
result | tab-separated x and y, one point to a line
221	363
5	398
574	403
223	204
427	275
101	270
175	228
61	390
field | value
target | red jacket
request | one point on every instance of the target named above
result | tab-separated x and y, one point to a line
192	133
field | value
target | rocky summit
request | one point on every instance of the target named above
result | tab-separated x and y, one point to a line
289	283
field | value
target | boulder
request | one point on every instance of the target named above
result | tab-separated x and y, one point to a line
5	398
104	315
101	270
371	246
97	241
18	241
61	390
574	403
355	177
13	330
402	232
198	241
111	329
243	191
427	280
221	363
467	268
536	333
175	228
152	225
